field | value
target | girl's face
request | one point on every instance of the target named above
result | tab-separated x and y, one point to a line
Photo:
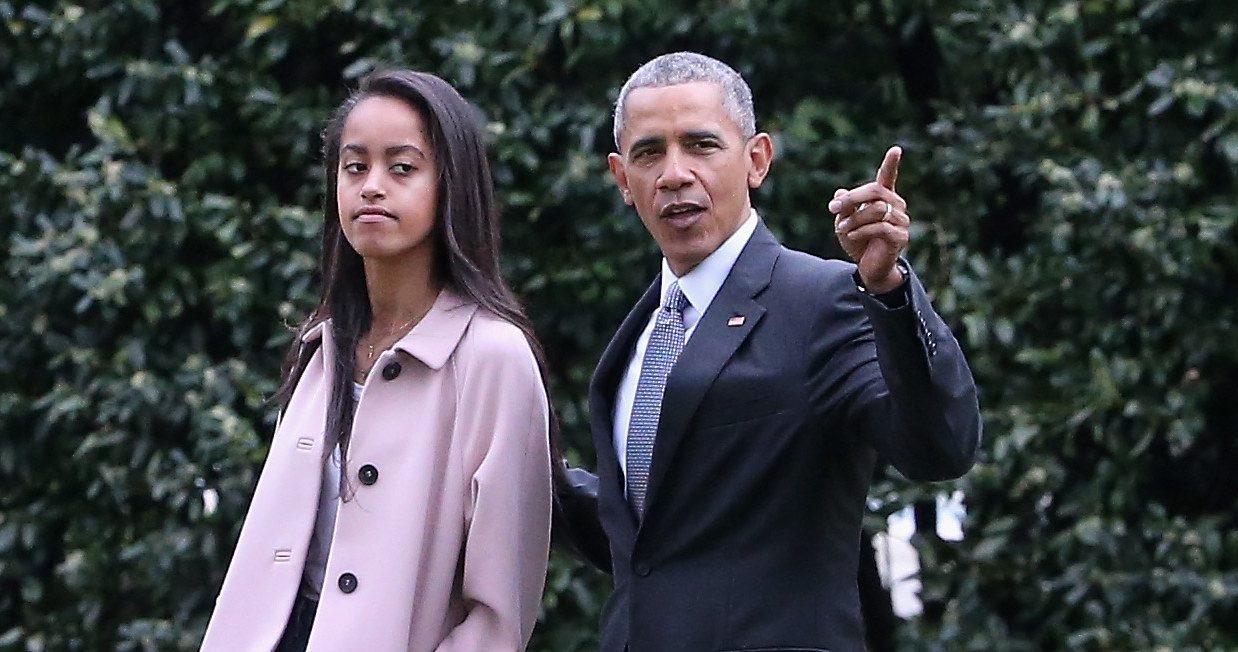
387	183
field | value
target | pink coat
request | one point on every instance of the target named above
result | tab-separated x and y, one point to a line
448	546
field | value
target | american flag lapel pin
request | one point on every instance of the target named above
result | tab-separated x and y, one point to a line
737	320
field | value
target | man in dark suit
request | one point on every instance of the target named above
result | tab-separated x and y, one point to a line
741	409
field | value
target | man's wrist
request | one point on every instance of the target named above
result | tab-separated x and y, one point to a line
896	278
893	281
892	291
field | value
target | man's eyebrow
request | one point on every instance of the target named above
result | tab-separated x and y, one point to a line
647	142
702	134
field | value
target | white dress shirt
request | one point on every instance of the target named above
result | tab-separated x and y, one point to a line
700	286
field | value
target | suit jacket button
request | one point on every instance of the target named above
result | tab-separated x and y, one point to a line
642	569
368	474
391	371
348	582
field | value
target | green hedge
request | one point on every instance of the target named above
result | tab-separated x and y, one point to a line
1071	166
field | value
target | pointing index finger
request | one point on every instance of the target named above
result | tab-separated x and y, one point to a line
887	174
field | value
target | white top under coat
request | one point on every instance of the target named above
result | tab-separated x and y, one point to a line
324	524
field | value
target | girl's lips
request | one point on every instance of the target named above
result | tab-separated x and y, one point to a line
373	214
373	218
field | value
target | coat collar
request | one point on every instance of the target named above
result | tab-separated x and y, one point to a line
435	337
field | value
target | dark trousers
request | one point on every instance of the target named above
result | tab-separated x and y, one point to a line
300	622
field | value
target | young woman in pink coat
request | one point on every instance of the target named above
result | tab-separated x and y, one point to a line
405	502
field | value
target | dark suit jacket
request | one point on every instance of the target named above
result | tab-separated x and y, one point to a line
769	436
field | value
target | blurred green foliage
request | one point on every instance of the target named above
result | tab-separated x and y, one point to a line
1071	166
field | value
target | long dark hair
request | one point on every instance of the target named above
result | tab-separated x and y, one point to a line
466	242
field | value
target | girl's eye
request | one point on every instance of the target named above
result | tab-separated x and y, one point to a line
402	168
354	167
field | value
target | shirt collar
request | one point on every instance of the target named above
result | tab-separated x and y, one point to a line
701	284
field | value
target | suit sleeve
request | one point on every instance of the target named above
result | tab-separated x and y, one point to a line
897	378
576	527
503	410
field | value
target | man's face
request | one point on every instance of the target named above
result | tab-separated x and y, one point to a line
687	169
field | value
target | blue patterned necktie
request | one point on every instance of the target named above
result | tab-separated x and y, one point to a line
665	343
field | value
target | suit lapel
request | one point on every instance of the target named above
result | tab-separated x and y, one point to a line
717	337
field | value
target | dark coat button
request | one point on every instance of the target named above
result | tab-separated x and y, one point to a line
368	474
348	582
391	371
642	568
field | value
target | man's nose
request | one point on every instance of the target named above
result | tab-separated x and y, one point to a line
676	171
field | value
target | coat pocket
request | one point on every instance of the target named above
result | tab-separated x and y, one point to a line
739	409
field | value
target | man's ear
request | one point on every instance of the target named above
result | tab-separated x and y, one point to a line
617	170
760	157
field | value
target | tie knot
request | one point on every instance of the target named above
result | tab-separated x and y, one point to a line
675	299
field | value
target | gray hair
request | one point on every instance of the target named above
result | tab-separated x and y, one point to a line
685	67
